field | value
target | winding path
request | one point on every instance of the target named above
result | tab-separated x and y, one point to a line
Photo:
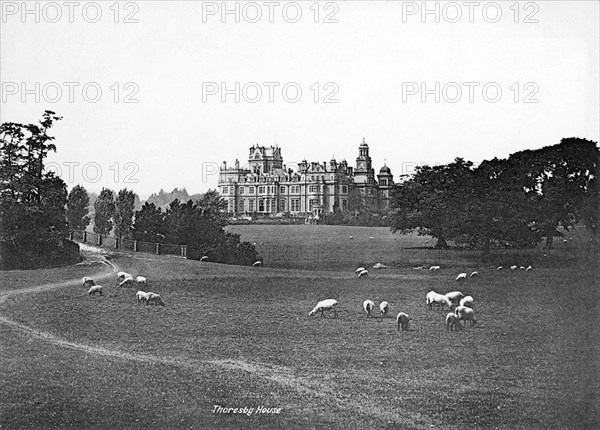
278	374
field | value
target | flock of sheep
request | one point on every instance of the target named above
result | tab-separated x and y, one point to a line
463	305
125	279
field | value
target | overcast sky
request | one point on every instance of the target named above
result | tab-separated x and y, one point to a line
365	64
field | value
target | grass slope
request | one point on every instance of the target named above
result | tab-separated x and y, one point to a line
238	336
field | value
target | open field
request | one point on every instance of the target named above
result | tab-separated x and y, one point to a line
241	337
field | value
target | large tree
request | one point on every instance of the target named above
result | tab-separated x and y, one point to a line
78	208
149	224
32	201
104	208
433	201
123	214
562	181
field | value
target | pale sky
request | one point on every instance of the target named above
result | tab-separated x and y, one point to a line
374	61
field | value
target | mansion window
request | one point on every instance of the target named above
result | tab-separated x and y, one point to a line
242	190
225	190
295	189
281	205
251	190
295	205
241	205
261	205
231	206
251	206
383	182
313	189
312	204
344	205
261	190
282	190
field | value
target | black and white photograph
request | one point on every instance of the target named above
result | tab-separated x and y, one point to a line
299	214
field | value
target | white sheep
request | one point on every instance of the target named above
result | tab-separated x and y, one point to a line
380	266
141	296
467	302
88	282
529	268
325	305
141	279
419	268
434	268
513	267
384	307
473	274
438	299
350	237
465	314
154	298
522	267
452	322
360	269
95	289
455	296
499	268
205	257
123	275
371	237
402	320
368	306
257	263
363	274
461	276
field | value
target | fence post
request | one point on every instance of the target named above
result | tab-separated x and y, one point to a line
158	249
116	242
135	246
84	236
99	240
71	235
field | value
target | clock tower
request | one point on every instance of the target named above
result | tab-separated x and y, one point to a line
363	161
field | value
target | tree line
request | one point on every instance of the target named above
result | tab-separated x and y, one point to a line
37	213
513	202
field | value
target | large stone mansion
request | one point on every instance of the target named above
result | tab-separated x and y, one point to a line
267	187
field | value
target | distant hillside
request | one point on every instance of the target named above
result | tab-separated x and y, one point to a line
164	199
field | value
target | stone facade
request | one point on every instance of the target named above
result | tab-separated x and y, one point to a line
267	187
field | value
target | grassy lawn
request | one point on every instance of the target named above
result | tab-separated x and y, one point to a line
238	336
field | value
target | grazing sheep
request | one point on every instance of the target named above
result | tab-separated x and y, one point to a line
452	322
205	257
154	298
360	269
522	267
475	273
467	302
141	296
529	268
368	306
363	274
419	268
438	299
402	320
95	289
461	276
123	275
465	314
513	267
455	296
88	282
371	237
380	266
434	268
257	263
141	280
325	305
384	307
350	237
499	268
